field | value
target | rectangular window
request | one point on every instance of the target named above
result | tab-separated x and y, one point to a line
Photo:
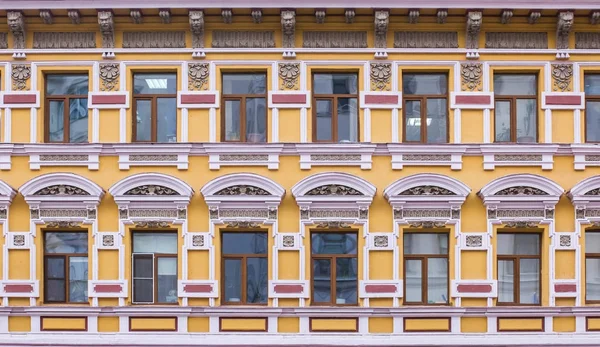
334	268
425	107
592	107
426	268
65	267
519	269
515	112
66	115
154	268
245	268
155	107
335	110
592	266
244	114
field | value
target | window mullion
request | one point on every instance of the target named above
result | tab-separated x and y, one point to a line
333	280
243	287
154	279
517	280
66	125
66	278
243	119
424	282
423	110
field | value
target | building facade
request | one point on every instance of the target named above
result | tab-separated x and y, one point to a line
400	173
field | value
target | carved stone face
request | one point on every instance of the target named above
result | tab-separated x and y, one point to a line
566	19
196	19
474	21
381	20
105	20
288	21
15	21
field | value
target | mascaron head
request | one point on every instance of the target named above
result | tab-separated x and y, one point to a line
288	20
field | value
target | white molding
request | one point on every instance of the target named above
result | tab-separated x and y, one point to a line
243	154
33	283
282	241
36	104
306	93
456	294
35	151
305	185
160	150
6	150
581	151
214	293
304	294
453	104
573	282
363	103
215	104
381	241
484	246
37	183
116	240
580	106
108	106
553	190
342	154
210	189
545	151
431	155
123	293
399	284
119	189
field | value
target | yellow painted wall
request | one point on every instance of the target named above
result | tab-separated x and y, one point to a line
108	324
473	265
288	324
593	324
379	268
334	324
520	324
564	268
473	324
243	324
19	324
63	323
564	324
426	324
198	324
146	324
381	325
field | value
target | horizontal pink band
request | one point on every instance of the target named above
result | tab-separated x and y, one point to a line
571	100
18	288
565	288
472	100
474	288
107	288
109	99
381	99
380	288
288	98
197	288
287	288
20	99
187	99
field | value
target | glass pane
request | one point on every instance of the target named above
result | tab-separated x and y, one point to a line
165	243
55	290
506	281
437	281
347	120
67	85
424	84
143	290
592	84
65	242
334	243
167	280
78	279
513	84
143	266
55	267
526	120
256	280
529	276
143	118
244	243
340	83
412	114
592	279
56	128
592	242
321	280
324	120
78	118
233	280
256	120
244	83
502	121
592	121
166	129
414	281
421	243
346	281
155	83
437	116
232	120
518	244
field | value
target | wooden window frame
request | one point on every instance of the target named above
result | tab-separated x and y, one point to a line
66	257
153	109
512	99
243	258
422	98
334	111
242	99
590	256
155	257
516	259
333	270
66	99
592	98
424	258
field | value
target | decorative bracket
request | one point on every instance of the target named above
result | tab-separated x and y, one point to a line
165	16
136	16
563	28
46	16
75	16
413	16
534	16
442	15
474	19
350	14
107	28
16	24
288	28
257	15
382	20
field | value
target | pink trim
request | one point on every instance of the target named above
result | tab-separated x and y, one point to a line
288	98
107	288
474	288
18	288
288	288
472	100
20	99
197	288
187	99
570	100
381	99
109	99
380	288
565	288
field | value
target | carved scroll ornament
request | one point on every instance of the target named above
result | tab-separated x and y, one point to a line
381	75
521	191
561	77
109	75
333	189
471	77
61	189
20	74
151	190
427	190
242	190
289	73
198	76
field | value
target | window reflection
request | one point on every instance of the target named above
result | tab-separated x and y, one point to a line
155	112
426	268
154	268
518	268
245	107
516	108
67	108
65	267
245	267
425	107
592	107
336	111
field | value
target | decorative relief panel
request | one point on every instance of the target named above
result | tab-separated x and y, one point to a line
521	190
592	158
382	20
593	192
109	76
472	241
565	241
3	40
589	40
243	213
107	28
521	224
333	225
151	190
153	213
61	189
243	39
243	157
16	24
381	76
563	28
318	213
592	213
243	224
242	190
335	157
474	19
425	39
287	241
518	157
63	224
154	39
334	39
427	190
198	74
288	28
520	213
3	213
63	213
20	75
108	240
381	241
517	40
289	76
426	213
196	19
18	240
152	224
333	189
427	224
153	157
471	77
197	240
426	157
61	40
64	157
34	213
562	74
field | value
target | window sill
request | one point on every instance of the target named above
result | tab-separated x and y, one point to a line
336	154
426	155
63	155
243	154
513	155
153	154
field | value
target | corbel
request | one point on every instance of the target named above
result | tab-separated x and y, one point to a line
413	16
506	16
16	24
165	15
474	19
75	16
442	15
382	20
288	28
350	14
227	16
594	17
564	24
534	16
107	28
320	16
197	28
136	16
257	15
46	16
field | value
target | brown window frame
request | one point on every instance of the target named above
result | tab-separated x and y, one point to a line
243	258
153	109
333	272
422	98
424	258
334	110
590	256
516	259
65	257
513	109
242	99
593	98
66	99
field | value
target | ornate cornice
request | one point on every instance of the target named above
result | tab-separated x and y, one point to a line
151	190
242	190
61	189
333	189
